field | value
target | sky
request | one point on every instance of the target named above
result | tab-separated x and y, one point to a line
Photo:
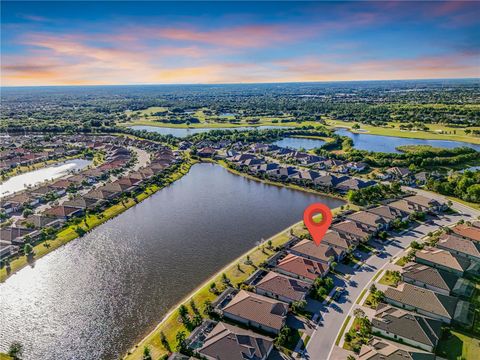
103	43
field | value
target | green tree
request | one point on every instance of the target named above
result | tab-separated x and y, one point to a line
15	350
164	341
146	353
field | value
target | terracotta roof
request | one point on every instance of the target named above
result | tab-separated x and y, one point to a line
466	231
284	286
258	308
228	342
423	299
303	267
61	211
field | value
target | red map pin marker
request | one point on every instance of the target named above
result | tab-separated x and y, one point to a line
317	229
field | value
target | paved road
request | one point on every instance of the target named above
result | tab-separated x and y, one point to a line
334	314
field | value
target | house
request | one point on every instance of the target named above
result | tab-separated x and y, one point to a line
370	222
100	194
81	202
442	259
399	172
257	311
7	251
459	246
389	213
306	176
424	204
283	173
381	349
63	212
281	287
39	221
407	327
301	268
229	342
352	231
263	168
329	181
356	166
353	184
206	152
468	232
403	206
11	234
24	199
423	301
323	253
437	280
339	241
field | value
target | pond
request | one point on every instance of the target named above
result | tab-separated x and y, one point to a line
95	297
380	143
31	178
299	143
184	132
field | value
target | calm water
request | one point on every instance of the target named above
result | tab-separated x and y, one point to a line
300	143
178	132
98	295
20	182
380	143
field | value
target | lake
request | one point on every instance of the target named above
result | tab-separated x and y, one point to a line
300	143
380	143
184	132
22	181
95	297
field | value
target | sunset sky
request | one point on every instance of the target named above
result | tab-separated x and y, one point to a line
80	43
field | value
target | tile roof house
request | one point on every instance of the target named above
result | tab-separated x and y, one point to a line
63	212
257	311
467	232
422	203
329	181
351	230
442	259
282	287
423	301
403	206
323	253
410	328
353	184
301	268
380	349
388	213
228	342
368	221
81	202
339	241
459	246
430	278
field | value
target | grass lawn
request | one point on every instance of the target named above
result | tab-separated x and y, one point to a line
92	220
433	133
5	357
360	297
388	279
342	329
402	261
458	346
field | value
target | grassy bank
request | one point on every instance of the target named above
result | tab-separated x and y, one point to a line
91	221
170	325
432	134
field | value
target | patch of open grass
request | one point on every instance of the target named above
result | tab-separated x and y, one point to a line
456	345
389	279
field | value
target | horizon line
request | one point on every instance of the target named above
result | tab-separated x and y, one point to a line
241	83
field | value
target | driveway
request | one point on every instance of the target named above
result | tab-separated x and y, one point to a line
334	314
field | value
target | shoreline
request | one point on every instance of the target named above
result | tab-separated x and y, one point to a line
274	183
68	234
